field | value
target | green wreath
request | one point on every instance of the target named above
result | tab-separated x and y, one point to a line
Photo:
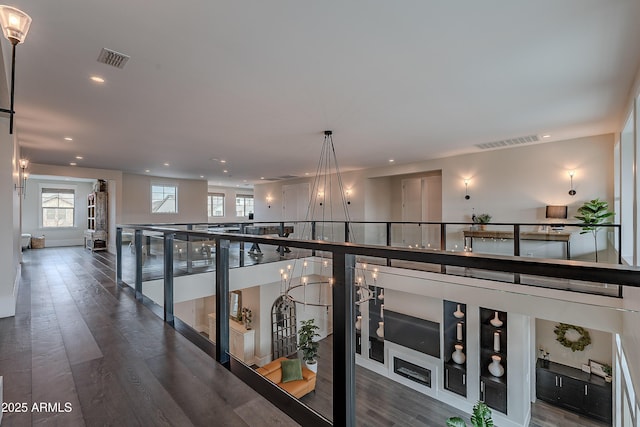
579	345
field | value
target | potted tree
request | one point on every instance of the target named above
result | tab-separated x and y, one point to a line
592	214
306	344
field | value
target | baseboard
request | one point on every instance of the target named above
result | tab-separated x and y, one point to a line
261	361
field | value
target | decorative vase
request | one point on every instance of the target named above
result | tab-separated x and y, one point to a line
458	314
380	330
458	356
496	321
381	296
312	366
358	322
495	368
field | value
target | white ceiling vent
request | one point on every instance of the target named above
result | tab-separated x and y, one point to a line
113	58
508	142
280	178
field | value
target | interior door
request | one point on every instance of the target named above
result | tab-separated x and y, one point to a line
295	203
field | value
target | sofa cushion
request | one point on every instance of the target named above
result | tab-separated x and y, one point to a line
291	370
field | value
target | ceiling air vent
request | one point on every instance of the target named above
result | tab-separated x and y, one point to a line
113	58
508	142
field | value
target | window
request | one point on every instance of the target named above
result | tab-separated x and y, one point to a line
58	207
215	204
164	198
244	205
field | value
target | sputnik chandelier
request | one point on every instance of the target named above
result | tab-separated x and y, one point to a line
299	284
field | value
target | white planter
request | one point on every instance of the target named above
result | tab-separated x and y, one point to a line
458	356
495	368
358	322
380	330
459	314
312	366
496	321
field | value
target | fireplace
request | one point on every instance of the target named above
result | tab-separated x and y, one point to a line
413	372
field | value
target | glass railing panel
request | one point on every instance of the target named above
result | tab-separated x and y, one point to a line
193	254
457	236
487	239
153	266
128	260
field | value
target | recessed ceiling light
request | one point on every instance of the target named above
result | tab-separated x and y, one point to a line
72	164
244	180
97	79
201	176
306	173
391	160
79	157
147	170
225	171
68	138
546	136
262	177
166	164
223	161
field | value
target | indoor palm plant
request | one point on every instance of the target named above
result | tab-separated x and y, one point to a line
592	214
482	219
306	344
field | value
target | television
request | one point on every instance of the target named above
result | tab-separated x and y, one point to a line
412	332
556	212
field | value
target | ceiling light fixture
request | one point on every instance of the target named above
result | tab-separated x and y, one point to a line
79	157
15	26
147	170
97	79
72	164
391	160
546	136
68	138
166	164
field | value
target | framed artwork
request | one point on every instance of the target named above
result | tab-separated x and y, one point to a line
597	368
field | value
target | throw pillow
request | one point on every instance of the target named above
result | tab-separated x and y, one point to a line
291	370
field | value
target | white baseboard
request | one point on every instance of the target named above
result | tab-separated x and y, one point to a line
261	361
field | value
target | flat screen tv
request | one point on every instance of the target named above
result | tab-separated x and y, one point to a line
412	332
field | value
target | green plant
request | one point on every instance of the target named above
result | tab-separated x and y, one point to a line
481	417
606	368
593	214
484	218
306	334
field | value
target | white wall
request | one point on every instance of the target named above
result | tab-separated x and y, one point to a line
32	213
136	200
229	202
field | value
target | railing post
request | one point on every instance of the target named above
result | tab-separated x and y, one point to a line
138	284
443	244
516	249
388	241
313	236
119	256
344	380
346	232
168	277
222	301
242	226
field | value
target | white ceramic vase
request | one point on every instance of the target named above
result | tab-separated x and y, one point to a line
358	322
495	368
381	296
496	321
458	356
380	330
458	314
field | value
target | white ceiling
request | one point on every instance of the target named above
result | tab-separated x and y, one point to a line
256	82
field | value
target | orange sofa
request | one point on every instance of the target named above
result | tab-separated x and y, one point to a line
298	388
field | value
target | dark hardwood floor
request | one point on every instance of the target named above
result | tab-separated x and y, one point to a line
78	338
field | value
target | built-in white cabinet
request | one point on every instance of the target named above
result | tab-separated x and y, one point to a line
241	340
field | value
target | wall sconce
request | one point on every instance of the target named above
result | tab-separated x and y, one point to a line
22	177
15	26
347	194
572	192
466	189
321	196
269	200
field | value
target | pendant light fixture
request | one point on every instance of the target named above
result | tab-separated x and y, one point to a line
15	26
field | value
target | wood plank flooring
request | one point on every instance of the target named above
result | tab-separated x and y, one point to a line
78	338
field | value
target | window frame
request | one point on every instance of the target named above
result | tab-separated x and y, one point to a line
210	205
61	188
164	185
244	197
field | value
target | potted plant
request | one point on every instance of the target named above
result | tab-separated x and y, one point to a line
606	368
481	417
306	344
482	219
592	214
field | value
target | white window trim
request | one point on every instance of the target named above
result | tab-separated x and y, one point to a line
42	185
224	202
164	184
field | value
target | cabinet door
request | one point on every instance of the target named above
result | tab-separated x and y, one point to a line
597	402
455	380
571	393
546	383
494	394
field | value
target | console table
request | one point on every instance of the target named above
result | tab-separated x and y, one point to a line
241	340
552	236
574	390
